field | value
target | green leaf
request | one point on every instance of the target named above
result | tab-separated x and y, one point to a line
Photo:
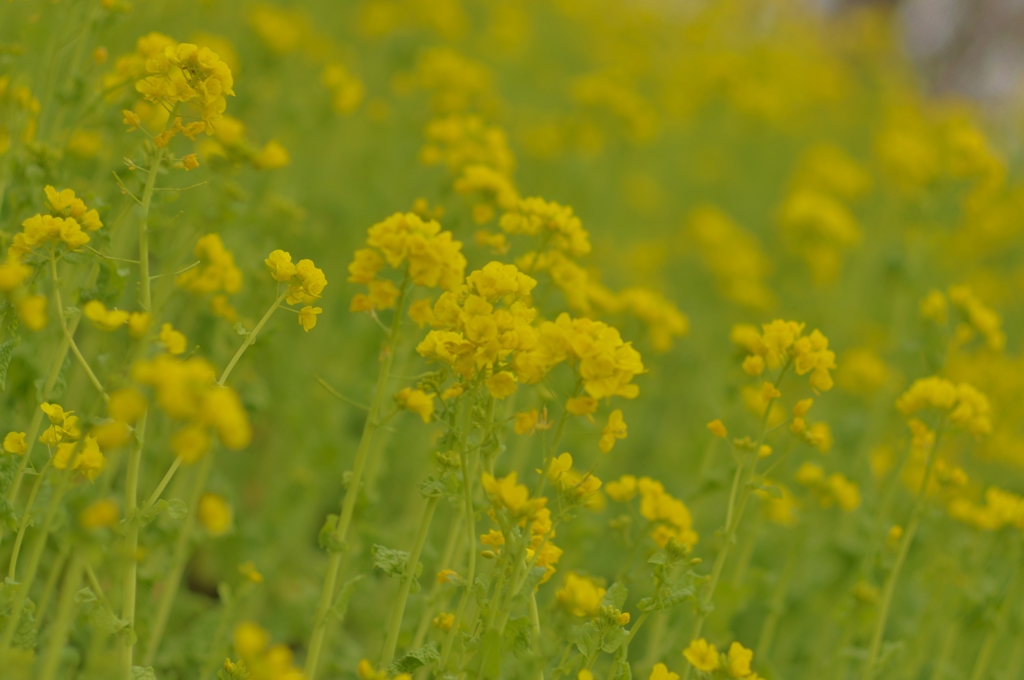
6	354
390	562
614	638
177	509
615	596
340	605
431	487
85	596
589	639
518	636
415	658
140	673
490	653
326	537
532	580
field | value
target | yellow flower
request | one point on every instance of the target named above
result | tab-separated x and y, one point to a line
526	422
934	307
190	162
444	621
250	639
250	573
273	155
175	341
126	405
32	311
739	659
103	318
54	413
622	489
15	443
190	443
214	514
718	429
102	513
580	595
614	429
501	385
661	672
307	317
514	497
138	324
581	406
13	273
281	266
90	460
417	401
702	656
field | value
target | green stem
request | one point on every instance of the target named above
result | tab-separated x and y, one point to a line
901	555
454	534
58	632
145	291
468	473
67	333
948	645
398	611
777	605
178	562
734	515
251	338
51	585
995	631
348	504
535	647
126	640
181	553
155	496
35	555
12	569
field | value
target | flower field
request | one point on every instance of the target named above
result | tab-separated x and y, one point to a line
661	340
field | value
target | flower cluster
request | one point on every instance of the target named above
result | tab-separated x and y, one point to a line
819	228
124	408
64	439
733	256
112	319
555	225
980	318
672	518
483	327
495	189
190	75
305	284
432	258
604	363
64	426
458	141
574	486
836	489
215	274
507	493
1001	508
187	391
961	404
782	341
229	141
736	663
257	657
67	222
